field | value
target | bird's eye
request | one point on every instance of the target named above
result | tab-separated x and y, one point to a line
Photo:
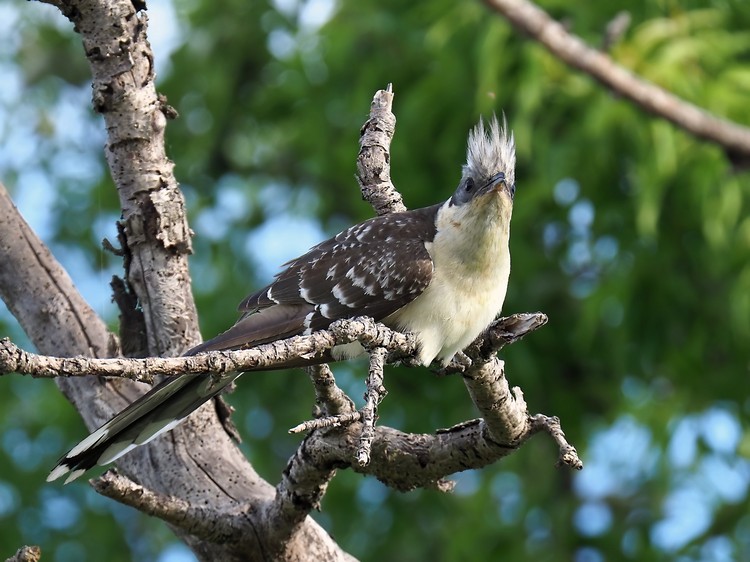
512	191
469	185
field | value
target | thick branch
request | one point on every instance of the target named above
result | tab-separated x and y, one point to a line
154	223
407	461
534	21
41	294
42	297
200	520
157	241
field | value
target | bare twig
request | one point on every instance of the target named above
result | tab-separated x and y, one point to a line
532	20
374	159
325	422
335	408
551	425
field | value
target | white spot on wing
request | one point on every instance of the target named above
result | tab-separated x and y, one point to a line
305	294
360	281
270	296
391	295
362	232
307	322
338	293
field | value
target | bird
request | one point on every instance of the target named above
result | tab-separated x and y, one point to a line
440	272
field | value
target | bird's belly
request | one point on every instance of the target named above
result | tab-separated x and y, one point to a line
452	312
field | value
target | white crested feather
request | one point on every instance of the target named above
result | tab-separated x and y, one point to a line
491	151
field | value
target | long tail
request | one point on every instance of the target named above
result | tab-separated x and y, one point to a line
174	399
154	413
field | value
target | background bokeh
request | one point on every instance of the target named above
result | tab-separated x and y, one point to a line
631	235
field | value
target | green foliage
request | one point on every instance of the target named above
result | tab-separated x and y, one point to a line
631	235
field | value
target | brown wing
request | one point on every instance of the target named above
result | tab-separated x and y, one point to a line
371	269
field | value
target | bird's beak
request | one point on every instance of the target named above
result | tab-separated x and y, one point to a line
496	183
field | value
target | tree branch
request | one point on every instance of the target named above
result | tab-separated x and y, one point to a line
276	355
400	460
329	398
156	243
407	461
302	486
551	425
503	331
41	294
532	20
54	315
154	225
203	521
374	393
374	159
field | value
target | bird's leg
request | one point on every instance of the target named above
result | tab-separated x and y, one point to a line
373	395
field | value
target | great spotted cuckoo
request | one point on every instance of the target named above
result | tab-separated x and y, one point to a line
440	272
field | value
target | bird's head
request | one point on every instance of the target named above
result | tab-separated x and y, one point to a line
490	169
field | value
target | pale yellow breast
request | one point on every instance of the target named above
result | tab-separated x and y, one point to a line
467	290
